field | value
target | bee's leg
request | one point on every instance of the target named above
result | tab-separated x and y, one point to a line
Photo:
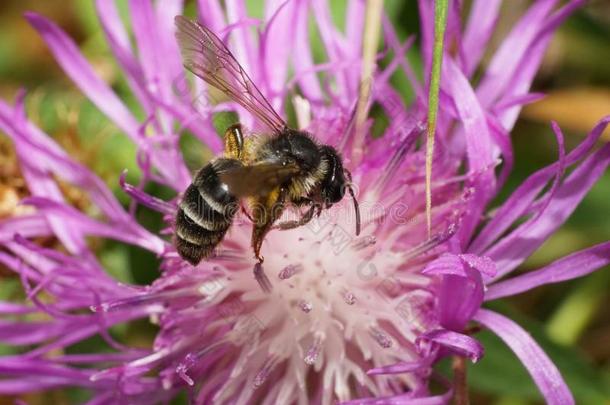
266	210
305	218
234	142
261	278
247	214
303	201
350	188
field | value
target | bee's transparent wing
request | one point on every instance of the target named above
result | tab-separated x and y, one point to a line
258	179
206	56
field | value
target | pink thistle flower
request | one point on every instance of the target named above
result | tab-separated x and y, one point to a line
348	317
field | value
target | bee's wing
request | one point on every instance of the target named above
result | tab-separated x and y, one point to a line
206	56
258	179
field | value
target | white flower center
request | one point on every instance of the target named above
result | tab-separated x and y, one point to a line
339	304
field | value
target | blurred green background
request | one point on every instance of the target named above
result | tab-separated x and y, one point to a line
570	320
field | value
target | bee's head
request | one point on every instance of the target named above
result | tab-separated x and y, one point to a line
336	181
333	183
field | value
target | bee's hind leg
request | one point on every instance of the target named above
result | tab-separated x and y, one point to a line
234	142
267	210
261	278
259	273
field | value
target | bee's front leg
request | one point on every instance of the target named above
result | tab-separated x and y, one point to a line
305	218
247	214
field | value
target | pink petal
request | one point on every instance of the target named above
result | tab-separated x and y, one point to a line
333	43
39	152
10	308
541	368
118	39
211	14
30	375
459	299
302	57
519	100
27	384
529	66
461	289
146	199
184	111
402	367
410	398
400	50
509	56
577	264
452	264
22	333
13	122
80	71
244	46
502	139
157	50
522	198
479	146
34	225
166	11
481	24
514	248
276	44
455	342
80	223
354	21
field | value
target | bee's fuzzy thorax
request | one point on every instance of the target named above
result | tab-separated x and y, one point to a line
257	147
303	185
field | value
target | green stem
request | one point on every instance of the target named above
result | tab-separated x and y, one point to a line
460	385
440	21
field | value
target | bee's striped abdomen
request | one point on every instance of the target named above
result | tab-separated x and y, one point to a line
205	212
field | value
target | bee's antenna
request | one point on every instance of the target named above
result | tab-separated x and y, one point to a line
356	206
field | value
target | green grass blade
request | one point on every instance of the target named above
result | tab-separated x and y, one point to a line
440	21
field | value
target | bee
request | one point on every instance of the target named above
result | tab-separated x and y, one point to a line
281	167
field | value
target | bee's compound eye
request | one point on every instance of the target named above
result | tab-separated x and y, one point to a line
334	193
